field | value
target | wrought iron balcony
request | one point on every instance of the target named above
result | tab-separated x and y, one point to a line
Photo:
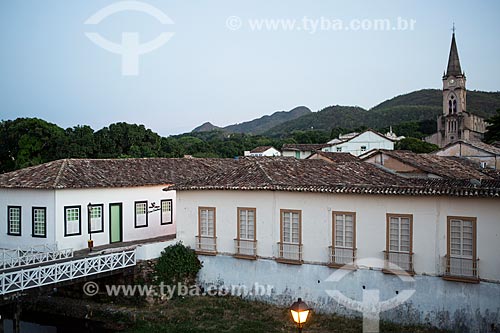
245	248
396	262
206	245
289	253
461	269
342	257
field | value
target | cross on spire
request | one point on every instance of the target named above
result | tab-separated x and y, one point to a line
453	29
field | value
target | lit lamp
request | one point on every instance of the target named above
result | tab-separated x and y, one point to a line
90	242
300	313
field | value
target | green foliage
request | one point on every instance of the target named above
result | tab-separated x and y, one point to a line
493	130
415	145
177	263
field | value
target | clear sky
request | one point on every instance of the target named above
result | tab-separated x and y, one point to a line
219	66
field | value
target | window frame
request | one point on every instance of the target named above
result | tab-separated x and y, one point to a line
200	208
474	234
388	232
238	235
334	225
89	219
146	213
9	221
66	234
300	225
33	209
171	212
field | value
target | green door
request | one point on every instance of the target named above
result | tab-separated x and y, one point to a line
115	222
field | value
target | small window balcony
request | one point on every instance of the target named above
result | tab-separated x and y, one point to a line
460	269
398	262
245	249
289	253
341	257
206	245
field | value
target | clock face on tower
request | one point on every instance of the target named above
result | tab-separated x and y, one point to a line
452	82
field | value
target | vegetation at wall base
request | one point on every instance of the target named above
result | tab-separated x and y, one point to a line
177	263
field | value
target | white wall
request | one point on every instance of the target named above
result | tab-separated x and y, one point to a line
429	223
26	199
368	139
126	196
292	153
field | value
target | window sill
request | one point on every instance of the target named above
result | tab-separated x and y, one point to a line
342	266
206	252
397	272
245	256
289	261
461	279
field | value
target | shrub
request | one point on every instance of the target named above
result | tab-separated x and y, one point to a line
177	263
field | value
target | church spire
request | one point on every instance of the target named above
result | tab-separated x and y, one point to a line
453	61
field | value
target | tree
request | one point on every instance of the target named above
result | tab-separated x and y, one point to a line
415	145
493	129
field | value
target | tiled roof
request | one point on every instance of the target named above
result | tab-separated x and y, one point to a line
260	149
335	157
95	173
304	146
476	144
446	167
316	175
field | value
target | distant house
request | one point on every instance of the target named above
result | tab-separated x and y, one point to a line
301	151
485	155
111	200
359	143
410	164
263	151
334	157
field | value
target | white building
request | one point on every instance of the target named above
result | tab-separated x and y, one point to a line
295	221
49	203
359	143
301	150
486	156
263	151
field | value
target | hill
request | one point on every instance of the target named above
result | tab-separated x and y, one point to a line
260	125
416	106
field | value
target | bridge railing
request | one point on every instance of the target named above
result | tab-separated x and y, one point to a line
59	272
11	258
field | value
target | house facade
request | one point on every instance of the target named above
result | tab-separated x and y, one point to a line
300	150
263	151
360	143
482	154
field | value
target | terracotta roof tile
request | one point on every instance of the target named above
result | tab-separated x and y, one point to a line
304	146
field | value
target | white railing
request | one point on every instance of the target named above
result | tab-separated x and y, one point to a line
398	261
342	256
290	252
11	258
461	267
246	247
58	272
206	244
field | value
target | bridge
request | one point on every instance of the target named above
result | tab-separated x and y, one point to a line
22	269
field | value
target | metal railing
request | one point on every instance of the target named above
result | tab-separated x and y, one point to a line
245	247
206	244
290	251
342	256
11	258
461	267
395	261
58	272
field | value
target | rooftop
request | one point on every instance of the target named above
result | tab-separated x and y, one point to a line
304	146
335	157
260	149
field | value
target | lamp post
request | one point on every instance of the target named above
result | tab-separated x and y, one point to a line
300	313
89	213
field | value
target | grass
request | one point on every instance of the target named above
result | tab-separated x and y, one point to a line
232	314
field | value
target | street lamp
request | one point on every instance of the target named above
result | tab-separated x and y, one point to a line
89	213
300	313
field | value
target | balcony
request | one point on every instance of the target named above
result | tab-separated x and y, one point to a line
398	262
461	269
289	253
342	257
245	249
206	245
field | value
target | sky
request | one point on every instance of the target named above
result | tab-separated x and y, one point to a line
227	61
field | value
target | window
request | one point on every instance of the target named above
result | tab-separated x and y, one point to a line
14	220
72	221
344	238
206	240
461	248
246	223
290	245
166	211
246	244
96	218
339	149
297	154
399	245
39	222
363	148
141	214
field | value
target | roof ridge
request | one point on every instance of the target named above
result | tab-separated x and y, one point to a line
265	173
59	173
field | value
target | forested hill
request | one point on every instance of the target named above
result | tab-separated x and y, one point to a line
412	107
260	125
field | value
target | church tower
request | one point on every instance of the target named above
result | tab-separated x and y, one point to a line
455	123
